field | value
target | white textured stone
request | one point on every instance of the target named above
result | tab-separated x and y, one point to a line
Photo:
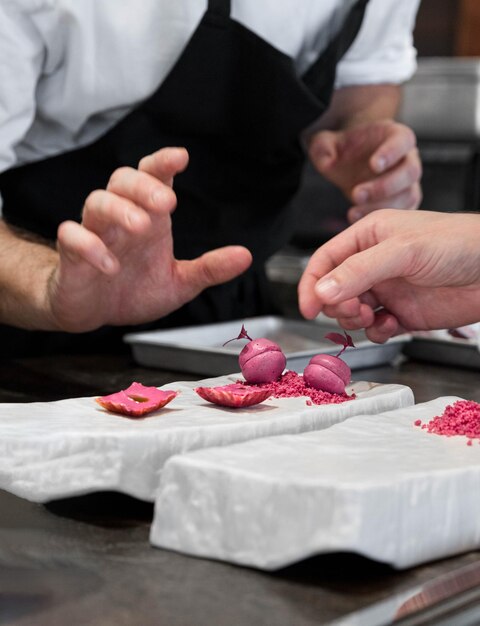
72	447
375	484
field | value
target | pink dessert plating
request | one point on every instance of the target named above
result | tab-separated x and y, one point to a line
236	395
262	363
261	360
137	400
327	372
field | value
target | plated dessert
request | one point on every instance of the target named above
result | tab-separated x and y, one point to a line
262	363
79	445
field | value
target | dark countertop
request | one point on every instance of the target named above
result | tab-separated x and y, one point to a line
88	561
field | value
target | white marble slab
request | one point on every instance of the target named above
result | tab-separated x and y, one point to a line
72	447
375	485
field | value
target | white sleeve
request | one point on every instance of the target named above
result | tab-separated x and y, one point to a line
383	51
21	60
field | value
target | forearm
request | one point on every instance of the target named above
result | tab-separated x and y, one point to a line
25	270
360	104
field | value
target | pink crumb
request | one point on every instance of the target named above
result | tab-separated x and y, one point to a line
292	385
460	418
418	422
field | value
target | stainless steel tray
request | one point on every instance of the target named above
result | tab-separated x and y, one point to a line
442	98
199	349
447	351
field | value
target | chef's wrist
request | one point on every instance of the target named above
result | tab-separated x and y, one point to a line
26	267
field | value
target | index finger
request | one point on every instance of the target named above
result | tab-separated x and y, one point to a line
329	256
352	263
165	163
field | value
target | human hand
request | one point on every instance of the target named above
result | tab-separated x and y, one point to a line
117	267
393	272
375	165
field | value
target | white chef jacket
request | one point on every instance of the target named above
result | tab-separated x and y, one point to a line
70	69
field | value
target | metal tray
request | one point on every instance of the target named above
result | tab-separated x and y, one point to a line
447	351
442	98
199	349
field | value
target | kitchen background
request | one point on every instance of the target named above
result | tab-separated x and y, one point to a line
441	103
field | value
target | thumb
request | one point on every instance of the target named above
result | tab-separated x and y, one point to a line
363	271
212	268
323	149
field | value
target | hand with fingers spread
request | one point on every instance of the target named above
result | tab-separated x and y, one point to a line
117	267
374	164
393	272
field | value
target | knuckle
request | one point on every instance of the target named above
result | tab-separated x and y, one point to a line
93	197
386	213
93	202
118	176
416	196
414	171
63	231
411	198
170	195
144	162
382	214
207	274
381	190
409	201
411	136
349	323
331	310
136	185
415	154
163	195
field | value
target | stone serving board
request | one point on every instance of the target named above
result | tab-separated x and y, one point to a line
52	450
376	485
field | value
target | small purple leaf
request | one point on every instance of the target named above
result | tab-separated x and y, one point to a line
243	335
343	340
336	338
350	343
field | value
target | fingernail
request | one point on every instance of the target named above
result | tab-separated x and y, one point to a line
108	264
328	288
380	164
361	195
355	215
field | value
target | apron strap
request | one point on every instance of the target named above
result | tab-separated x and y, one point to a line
317	75
219	7
352	26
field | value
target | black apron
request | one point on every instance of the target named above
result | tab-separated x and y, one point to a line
238	106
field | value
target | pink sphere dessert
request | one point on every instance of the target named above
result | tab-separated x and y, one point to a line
262	361
327	373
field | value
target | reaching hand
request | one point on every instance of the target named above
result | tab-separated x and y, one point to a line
392	272
117	266
375	165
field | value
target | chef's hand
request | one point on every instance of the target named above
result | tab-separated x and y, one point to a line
374	164
393	272
117	267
